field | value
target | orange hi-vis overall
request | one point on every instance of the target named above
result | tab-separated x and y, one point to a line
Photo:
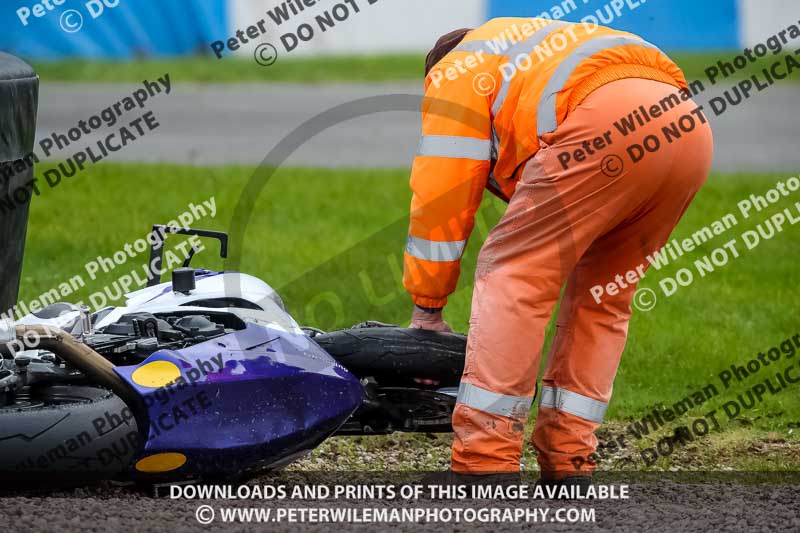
527	109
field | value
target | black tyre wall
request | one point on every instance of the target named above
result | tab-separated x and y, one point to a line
398	357
19	95
93	440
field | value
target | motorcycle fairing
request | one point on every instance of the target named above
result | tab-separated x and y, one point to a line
240	402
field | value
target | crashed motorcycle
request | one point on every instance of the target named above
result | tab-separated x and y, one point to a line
205	377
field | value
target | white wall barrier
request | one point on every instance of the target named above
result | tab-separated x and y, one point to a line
759	19
384	26
379	28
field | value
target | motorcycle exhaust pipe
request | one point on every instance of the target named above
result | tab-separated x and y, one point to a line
81	356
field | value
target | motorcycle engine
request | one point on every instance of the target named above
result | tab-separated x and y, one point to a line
130	340
137	335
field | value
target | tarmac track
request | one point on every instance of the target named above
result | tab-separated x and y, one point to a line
229	124
659	507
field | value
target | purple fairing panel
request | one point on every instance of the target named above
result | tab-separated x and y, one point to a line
246	400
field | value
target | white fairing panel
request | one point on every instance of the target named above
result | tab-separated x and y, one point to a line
208	286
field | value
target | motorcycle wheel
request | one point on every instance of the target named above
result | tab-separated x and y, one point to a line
66	432
399	357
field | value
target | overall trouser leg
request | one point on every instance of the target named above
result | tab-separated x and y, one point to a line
580	224
591	335
512	303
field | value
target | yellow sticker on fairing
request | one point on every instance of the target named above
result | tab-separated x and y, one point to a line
156	374
161	462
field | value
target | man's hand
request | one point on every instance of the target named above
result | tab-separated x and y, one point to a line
431	321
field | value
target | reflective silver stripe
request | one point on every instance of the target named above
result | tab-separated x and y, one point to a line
474	47
434	250
546	113
504	44
574	404
455	147
491	402
525	47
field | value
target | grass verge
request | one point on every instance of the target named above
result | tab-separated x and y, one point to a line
384	68
331	242
734	451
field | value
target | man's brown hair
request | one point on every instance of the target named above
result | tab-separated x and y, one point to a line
444	46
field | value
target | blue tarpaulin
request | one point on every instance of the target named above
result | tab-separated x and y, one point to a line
134	28
125	29
669	24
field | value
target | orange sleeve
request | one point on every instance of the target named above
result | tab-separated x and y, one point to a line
448	178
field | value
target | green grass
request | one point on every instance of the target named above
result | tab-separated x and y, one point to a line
234	70
398	67
733	451
331	242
